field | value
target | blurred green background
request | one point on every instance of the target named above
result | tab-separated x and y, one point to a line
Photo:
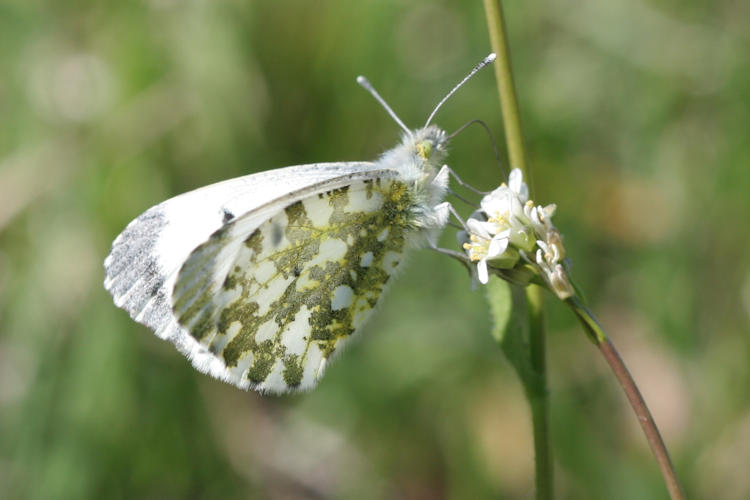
637	122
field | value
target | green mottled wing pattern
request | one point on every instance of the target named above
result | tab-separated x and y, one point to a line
288	287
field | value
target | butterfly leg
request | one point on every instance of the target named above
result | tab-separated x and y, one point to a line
462	183
462	258
452	211
461	198
444	211
447	172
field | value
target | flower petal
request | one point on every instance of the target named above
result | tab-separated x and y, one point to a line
515	180
498	244
482	274
478	228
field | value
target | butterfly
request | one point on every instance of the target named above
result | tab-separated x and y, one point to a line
261	279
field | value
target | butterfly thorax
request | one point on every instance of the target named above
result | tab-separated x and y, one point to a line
418	160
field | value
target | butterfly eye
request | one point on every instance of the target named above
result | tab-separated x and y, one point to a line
424	149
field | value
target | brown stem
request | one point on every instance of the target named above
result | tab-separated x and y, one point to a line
644	418
659	449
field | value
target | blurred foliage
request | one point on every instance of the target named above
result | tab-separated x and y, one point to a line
636	121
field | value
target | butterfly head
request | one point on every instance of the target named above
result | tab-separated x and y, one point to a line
429	144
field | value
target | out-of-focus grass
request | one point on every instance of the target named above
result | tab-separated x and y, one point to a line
636	122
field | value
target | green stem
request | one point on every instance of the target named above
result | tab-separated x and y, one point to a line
659	449
506	89
538	399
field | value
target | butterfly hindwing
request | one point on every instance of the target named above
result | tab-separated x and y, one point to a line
275	293
145	258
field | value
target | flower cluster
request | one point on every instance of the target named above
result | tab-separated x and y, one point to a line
510	232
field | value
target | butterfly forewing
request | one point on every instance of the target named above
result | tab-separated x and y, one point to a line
274	294
142	266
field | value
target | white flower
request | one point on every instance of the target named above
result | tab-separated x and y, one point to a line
514	227
484	245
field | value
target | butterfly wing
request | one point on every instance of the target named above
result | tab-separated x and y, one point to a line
271	295
142	266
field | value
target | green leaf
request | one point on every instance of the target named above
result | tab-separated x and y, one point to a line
510	314
498	294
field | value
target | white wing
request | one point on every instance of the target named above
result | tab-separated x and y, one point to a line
142	266
193	267
271	296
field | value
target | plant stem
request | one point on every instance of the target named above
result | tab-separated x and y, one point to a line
538	398
596	333
506	89
539	401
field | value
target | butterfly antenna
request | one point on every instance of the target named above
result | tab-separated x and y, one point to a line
479	66
368	87
489	134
